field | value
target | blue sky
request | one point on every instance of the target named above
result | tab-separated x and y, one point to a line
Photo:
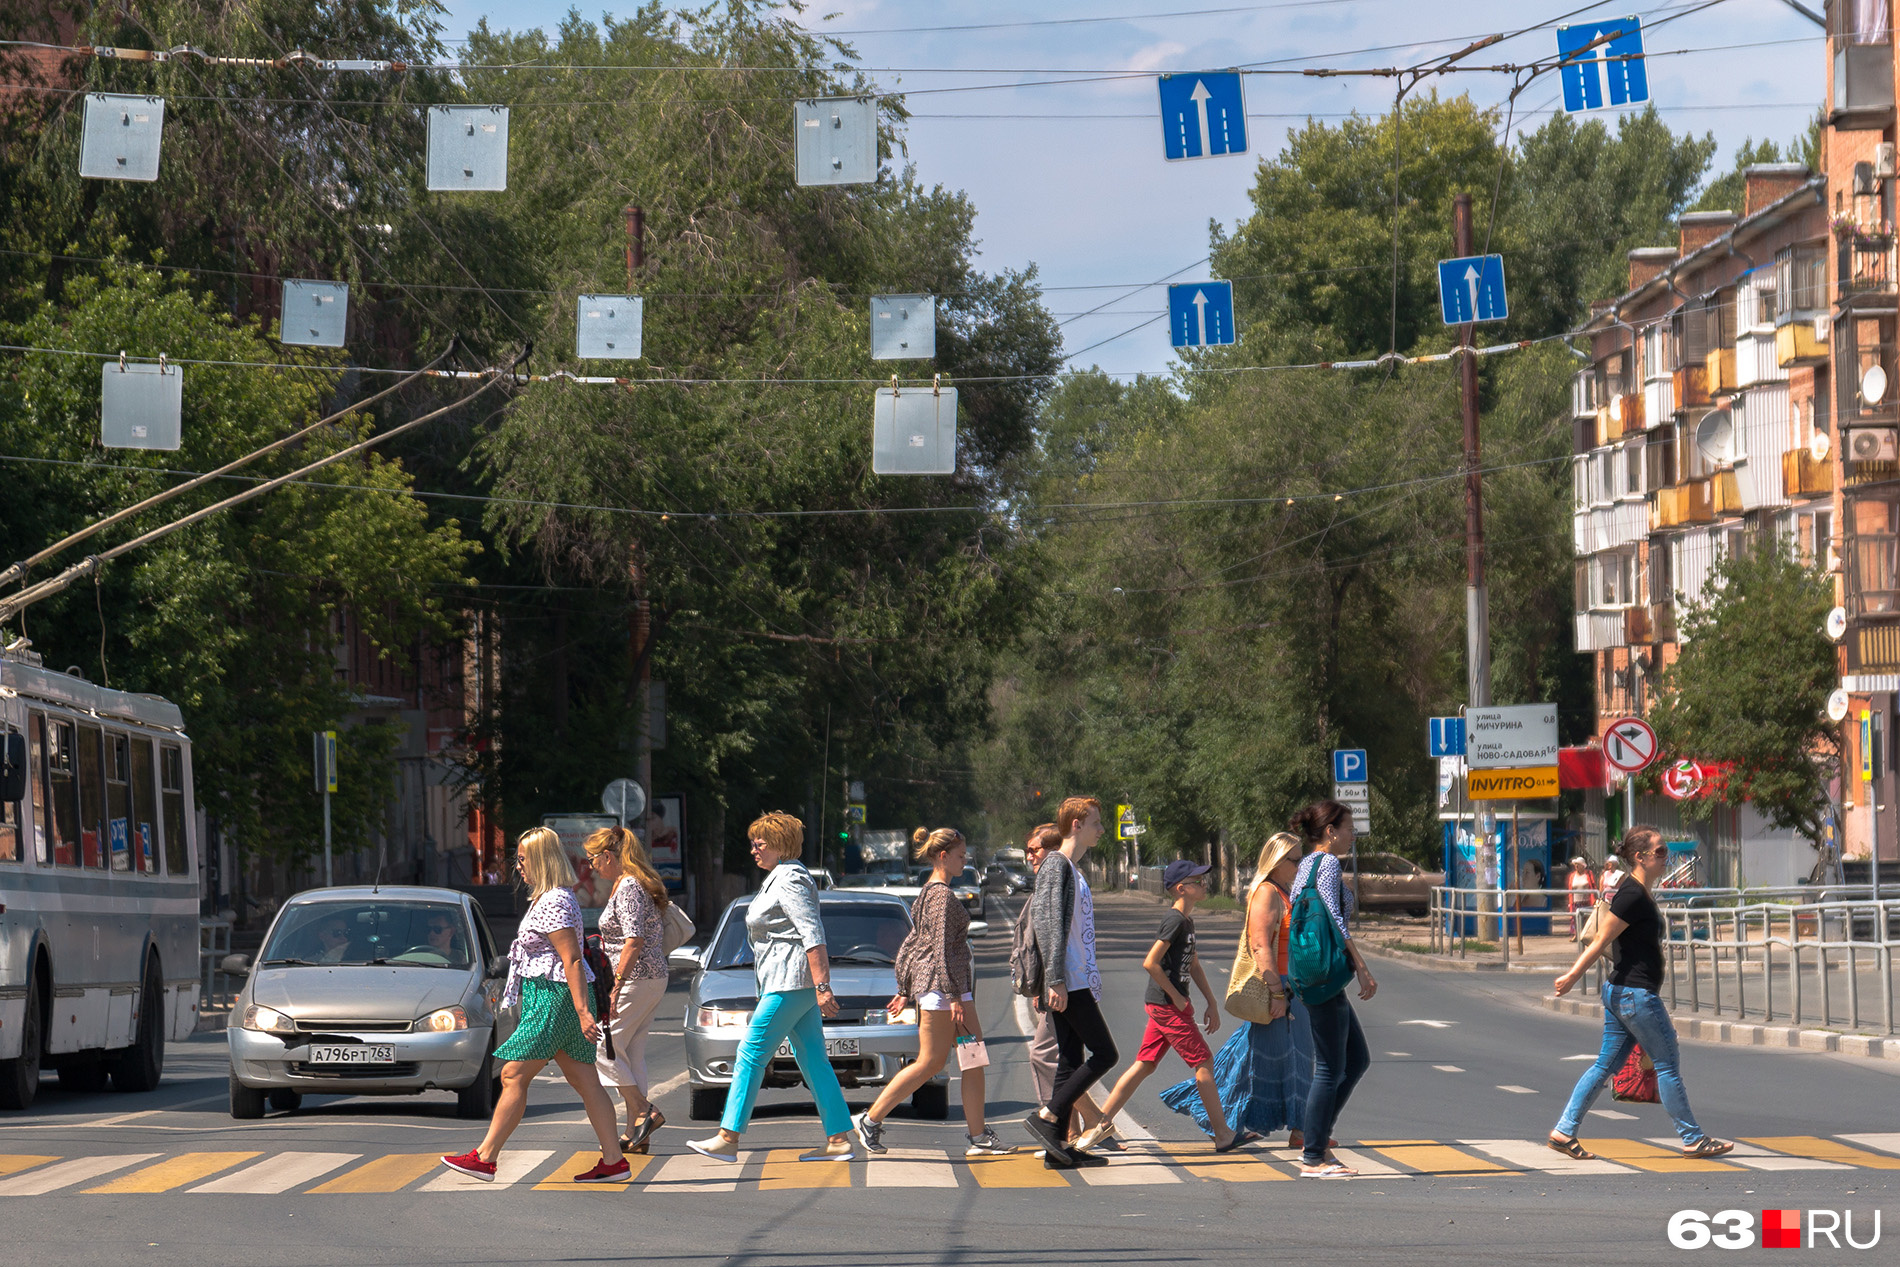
1090	200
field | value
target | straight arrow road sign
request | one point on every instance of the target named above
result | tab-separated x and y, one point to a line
1203	115
1472	289
1201	314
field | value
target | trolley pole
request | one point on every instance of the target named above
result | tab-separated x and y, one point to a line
1477	599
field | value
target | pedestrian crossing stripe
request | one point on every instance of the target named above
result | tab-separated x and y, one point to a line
1144	1164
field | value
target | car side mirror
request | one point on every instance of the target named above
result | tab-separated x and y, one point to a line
685	958
497	967
235	965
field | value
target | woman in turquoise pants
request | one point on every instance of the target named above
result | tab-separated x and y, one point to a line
794	975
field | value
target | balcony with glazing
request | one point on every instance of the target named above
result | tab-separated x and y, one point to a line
1801	305
1860	45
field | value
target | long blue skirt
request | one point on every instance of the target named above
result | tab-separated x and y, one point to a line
1262	1073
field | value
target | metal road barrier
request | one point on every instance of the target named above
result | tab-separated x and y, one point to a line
214	943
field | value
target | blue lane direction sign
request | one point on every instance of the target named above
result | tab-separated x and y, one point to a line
1445	736
1201	314
1203	115
1472	289
1619	60
1349	765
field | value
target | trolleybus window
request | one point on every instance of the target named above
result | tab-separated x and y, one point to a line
9	827
92	801
144	826
61	794
119	800
172	769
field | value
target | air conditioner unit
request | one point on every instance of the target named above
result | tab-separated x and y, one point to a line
1873	444
1883	160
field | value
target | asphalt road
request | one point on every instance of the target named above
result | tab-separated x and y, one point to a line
1457	1057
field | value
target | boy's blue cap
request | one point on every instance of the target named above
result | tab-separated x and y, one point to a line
1181	869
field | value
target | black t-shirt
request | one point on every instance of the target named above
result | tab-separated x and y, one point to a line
1178	931
1639	958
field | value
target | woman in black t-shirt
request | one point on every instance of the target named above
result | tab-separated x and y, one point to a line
1633	1011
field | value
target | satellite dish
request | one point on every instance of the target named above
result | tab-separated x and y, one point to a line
1818	446
1715	437
1837	623
1837	705
1873	385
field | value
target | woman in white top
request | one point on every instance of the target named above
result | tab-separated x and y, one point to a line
631	928
548	976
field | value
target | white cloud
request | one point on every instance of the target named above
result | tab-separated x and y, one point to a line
1163	56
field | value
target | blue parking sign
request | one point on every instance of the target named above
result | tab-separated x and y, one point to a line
1349	765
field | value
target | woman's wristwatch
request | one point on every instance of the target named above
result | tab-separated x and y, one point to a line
823	987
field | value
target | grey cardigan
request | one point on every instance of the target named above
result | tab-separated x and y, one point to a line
782	923
1051	912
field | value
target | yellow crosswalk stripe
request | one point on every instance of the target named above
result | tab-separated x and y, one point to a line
1017	1170
1826	1150
1632	1152
385	1174
1236	1167
561	1178
1431	1158
14	1163
783	1170
175	1172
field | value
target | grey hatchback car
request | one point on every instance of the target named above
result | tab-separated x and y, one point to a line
862	933
370	991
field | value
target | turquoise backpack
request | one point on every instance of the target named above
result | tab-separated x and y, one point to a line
1317	965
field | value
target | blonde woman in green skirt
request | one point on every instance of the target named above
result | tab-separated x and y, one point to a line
549	978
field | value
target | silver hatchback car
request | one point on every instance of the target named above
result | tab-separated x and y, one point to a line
862	933
370	991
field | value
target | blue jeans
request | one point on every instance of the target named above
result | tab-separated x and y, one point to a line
783	1014
1632	1016
1340	1059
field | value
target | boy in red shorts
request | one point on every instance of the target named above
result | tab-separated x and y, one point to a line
1170	962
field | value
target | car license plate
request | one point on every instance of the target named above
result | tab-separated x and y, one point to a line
353	1054
833	1047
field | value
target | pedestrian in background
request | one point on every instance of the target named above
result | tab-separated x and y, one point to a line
632	925
1062	913
936	973
548	977
794	978
1633	1010
1340	1056
1583	893
1043	1055
1170	964
1263	1072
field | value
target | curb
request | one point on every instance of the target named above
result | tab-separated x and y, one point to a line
1747	1034
1437	963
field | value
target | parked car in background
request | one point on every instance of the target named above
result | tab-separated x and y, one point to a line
1388	882
370	991
1007	878
863	930
821	877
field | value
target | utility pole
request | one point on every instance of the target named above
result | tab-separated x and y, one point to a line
642	630
1477	601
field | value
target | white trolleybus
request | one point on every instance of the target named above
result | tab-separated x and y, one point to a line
98	883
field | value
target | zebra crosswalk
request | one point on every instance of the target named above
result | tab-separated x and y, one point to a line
317	1174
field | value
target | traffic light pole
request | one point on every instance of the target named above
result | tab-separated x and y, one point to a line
1477	598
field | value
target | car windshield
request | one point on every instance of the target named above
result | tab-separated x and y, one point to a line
855	932
416	934
969	876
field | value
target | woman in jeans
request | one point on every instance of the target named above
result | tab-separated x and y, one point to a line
794	975
936	973
548	976
1340	1057
1633	1012
631	927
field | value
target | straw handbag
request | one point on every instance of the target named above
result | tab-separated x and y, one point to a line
1249	994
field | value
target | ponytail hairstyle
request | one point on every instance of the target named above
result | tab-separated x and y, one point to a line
934	844
1317	819
1639	839
918	839
626	847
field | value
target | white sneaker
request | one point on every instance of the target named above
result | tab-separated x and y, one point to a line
715	1148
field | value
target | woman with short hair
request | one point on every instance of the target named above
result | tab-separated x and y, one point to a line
547	975
632	924
794	975
1633	1010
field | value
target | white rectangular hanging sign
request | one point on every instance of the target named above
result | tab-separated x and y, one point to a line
836	141
903	327
468	148
608	327
121	137
315	314
140	404
914	431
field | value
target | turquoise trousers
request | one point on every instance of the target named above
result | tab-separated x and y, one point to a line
780	1015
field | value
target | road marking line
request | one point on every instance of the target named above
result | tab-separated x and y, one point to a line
1649	1157
783	1170
1761	1159
1514	1089
37	1183
579	1164
1431	1024
1436	1159
1136	1166
1886	1142
509	1171
668	1087
911	1168
1531	1156
1399	1055
385	1174
1614	1115
690	1172
1448	1068
1017	1170
1234	1167
1583	1056
175	1172
1827	1150
170	1108
279	1174
13	1163
1364	1163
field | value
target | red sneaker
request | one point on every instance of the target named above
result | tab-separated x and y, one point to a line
604	1173
471	1164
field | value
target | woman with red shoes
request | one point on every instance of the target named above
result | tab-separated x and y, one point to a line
550	979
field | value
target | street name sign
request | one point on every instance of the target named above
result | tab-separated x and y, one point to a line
1471	288
1515	737
1629	745
1445	736
1619	60
1529	784
1203	115
1201	314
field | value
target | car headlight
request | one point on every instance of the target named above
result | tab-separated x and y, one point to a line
268	1020
906	1017
721	1018
444	1020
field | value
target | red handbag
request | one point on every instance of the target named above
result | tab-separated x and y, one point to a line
1636	1080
